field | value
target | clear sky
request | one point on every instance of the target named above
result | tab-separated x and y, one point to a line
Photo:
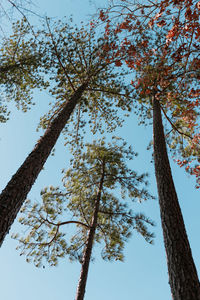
143	275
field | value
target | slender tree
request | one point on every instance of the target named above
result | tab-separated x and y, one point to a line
70	57
164	73
98	214
183	276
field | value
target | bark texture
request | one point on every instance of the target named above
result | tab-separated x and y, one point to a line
14	194
183	278
88	248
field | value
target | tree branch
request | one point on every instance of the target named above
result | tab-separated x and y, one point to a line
173	126
58	56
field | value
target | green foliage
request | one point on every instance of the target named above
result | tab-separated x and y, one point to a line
20	69
70	56
60	57
74	204
4	114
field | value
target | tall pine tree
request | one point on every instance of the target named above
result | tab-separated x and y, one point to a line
74	59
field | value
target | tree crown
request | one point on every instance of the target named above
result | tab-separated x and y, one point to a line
47	238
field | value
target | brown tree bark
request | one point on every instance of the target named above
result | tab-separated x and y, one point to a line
183	278
14	194
88	248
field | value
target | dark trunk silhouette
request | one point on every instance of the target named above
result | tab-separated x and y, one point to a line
183	278
88	248
14	194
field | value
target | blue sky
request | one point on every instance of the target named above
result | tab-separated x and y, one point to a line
143	275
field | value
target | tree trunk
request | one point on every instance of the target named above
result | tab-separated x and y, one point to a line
88	248
14	194
183	277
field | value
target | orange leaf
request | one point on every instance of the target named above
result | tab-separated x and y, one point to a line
118	63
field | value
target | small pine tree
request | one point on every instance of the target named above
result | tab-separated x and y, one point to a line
88	201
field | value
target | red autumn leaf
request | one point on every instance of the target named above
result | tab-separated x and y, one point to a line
145	43
102	15
161	23
118	63
138	62
106	47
